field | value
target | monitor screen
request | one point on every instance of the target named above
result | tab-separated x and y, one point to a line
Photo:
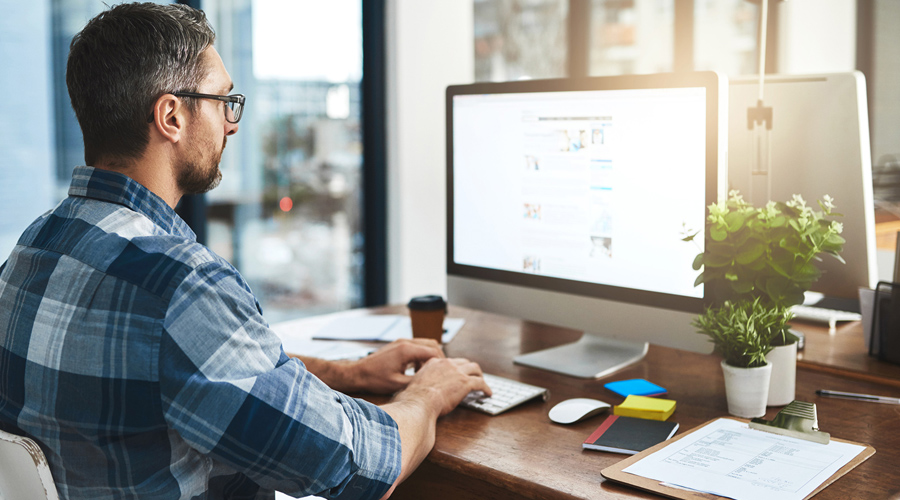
584	188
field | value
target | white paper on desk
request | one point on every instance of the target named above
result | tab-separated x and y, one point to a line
728	458
358	328
403	329
325	349
380	328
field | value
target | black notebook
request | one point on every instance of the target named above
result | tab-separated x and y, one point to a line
629	435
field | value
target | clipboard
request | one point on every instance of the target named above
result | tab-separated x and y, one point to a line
615	472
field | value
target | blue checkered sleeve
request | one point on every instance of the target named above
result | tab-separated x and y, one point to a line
230	391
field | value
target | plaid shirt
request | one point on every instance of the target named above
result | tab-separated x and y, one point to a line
141	363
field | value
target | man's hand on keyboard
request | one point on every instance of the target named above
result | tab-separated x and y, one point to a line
445	382
382	372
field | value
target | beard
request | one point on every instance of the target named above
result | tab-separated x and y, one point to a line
198	174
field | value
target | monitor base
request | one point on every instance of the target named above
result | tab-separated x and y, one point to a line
592	356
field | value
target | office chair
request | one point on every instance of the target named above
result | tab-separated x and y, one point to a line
24	472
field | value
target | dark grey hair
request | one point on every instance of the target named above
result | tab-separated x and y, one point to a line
122	62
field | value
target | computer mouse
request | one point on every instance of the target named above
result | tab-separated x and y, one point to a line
575	410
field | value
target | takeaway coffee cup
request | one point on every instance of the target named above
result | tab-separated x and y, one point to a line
427	313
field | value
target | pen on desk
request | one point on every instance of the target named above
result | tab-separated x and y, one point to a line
858	397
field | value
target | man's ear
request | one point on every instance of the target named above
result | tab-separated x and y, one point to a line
170	117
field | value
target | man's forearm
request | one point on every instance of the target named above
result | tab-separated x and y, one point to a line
415	414
416	420
336	374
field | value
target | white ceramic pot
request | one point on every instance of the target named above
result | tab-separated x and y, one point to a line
746	389
782	384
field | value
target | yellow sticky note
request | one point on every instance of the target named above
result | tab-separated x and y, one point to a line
644	407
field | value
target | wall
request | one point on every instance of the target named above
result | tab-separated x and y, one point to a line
429	46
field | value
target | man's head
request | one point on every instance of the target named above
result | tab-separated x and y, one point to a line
124	61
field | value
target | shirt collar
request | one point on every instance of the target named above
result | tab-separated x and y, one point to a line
106	185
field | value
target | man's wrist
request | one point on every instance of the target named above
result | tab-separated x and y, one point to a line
428	399
349	375
341	375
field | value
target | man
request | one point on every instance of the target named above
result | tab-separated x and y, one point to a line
137	358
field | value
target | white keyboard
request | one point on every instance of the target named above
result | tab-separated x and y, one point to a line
506	394
830	316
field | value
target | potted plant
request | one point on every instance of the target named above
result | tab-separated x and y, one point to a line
757	263
740	330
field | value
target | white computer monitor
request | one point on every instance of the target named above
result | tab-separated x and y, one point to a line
567	204
818	144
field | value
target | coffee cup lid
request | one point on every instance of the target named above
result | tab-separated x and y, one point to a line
427	303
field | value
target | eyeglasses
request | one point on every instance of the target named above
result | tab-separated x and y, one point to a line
234	104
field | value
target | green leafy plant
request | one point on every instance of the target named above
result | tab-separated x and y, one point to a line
767	253
742	330
757	263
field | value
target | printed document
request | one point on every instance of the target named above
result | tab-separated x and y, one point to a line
729	459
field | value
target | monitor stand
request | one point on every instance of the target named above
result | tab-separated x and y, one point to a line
592	356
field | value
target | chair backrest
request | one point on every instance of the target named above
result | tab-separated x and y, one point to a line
24	471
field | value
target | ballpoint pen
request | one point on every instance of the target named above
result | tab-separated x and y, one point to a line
858	397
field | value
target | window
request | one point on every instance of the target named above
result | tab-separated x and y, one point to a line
39	135
725	36
631	36
520	39
530	38
287	213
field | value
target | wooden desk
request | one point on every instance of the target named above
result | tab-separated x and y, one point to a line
521	454
843	352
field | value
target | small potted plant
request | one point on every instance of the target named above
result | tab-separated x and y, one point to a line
741	330
757	263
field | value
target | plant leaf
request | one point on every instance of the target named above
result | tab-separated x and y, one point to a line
836	239
699	280
735	221
779	268
807	272
698	262
750	253
718	233
757	265
716	260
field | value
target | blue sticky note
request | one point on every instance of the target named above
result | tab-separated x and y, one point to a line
636	386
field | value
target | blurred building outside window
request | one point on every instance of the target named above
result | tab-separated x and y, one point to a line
631	36
725	36
287	213
517	39
39	134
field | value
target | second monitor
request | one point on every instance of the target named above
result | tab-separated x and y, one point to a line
816	143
